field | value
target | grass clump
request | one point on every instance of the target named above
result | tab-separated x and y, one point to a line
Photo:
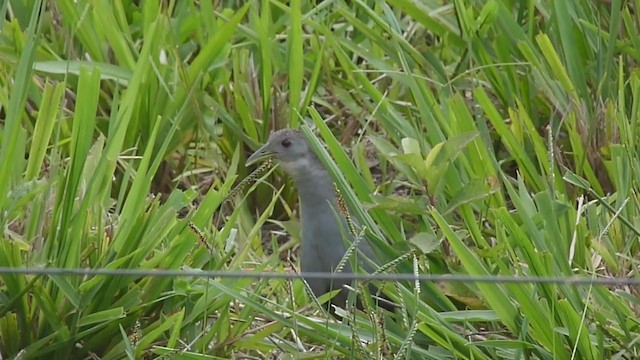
466	136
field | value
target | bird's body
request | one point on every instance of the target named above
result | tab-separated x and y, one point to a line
321	221
324	230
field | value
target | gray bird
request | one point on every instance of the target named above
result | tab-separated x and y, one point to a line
323	231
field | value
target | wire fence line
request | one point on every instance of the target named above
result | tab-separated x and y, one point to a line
560	280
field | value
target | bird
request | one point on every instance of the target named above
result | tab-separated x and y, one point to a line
323	228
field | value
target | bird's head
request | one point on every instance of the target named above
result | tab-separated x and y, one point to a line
290	148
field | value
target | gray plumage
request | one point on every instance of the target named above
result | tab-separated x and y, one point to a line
323	229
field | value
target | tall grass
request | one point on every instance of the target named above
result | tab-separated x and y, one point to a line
466	136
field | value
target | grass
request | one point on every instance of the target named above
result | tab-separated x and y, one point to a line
466	137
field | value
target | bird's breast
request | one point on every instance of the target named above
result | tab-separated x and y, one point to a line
322	245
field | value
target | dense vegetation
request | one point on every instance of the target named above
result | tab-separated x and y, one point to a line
479	137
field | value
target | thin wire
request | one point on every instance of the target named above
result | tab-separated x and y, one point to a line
567	280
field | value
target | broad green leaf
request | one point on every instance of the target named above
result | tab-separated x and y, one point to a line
102	316
426	242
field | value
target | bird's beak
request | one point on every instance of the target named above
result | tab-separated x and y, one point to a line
260	154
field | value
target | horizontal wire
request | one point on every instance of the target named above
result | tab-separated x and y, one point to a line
567	280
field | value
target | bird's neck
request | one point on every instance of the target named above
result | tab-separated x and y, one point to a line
315	186
319	215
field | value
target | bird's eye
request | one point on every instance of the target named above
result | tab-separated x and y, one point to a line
286	143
